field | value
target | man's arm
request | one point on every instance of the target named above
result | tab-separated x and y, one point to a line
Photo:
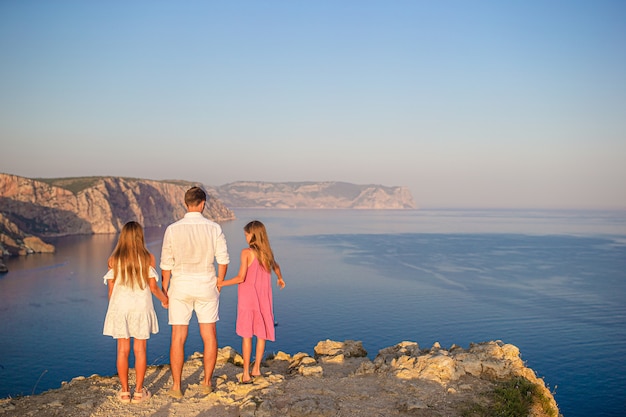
221	250
221	256
221	273
165	280
167	261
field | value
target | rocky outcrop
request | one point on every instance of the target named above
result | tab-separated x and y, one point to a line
87	205
340	380
13	241
316	195
35	245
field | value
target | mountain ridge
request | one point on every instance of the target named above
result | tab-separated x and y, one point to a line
314	194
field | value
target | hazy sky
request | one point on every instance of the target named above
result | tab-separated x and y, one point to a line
468	103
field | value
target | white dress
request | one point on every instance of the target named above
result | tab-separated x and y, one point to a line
131	312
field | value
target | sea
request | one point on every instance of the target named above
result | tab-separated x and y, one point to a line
551	282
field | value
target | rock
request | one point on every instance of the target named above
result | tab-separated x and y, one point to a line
228	354
304	365
437	384
36	245
436	368
334	359
491	359
3	268
85	406
366	368
348	349
282	356
310	370
312	407
412	405
388	354
488	361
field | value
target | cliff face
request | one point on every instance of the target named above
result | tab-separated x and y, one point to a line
30	207
314	195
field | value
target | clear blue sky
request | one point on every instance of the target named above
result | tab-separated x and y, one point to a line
468	103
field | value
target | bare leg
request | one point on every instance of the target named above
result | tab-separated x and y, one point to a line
246	347
209	338
123	350
260	351
177	354
139	349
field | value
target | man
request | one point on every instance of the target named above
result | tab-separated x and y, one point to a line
190	248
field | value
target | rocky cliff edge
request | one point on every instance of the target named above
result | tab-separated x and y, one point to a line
339	380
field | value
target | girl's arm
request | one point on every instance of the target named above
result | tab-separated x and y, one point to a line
154	288
111	282
279	274
158	293
247	256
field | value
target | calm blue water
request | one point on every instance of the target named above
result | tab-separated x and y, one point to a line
552	283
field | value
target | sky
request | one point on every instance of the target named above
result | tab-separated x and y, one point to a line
470	104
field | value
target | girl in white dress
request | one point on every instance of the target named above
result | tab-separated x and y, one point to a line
132	279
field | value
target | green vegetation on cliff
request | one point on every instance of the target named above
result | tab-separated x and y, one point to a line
511	398
73	184
78	184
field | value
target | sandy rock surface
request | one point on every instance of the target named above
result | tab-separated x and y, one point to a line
336	382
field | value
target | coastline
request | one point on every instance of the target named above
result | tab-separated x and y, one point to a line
338	381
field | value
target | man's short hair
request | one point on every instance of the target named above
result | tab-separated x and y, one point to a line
194	196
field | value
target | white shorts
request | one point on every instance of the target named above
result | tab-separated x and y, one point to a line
187	295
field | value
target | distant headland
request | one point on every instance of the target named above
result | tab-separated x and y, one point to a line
313	195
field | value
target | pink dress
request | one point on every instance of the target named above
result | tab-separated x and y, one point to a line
255	312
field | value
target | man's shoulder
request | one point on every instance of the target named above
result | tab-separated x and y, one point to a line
176	223
194	219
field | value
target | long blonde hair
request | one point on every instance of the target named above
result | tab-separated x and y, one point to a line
260	244
130	259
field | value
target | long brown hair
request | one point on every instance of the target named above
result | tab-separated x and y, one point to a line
260	244
130	259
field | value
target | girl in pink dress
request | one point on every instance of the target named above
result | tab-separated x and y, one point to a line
132	281
255	312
